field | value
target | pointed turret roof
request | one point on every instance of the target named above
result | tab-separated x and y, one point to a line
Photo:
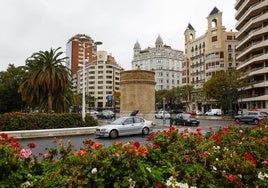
137	45
190	27
214	11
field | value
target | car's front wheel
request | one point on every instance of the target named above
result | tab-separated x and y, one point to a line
113	134
237	120
256	121
145	131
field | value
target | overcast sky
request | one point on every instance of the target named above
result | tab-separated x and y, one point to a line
28	26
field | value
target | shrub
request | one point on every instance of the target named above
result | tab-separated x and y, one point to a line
229	157
31	121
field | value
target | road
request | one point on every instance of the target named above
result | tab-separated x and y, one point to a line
77	141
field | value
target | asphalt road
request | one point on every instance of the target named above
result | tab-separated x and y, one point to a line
77	141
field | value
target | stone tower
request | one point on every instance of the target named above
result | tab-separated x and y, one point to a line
137	91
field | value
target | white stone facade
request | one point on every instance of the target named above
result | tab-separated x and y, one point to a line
163	60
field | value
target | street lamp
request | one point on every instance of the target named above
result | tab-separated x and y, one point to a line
83	40
164	117
230	92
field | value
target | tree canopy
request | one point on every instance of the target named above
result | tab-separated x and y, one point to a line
10	99
48	83
224	86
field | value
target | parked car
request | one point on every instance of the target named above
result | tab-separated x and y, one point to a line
93	112
213	112
250	117
161	114
199	113
193	113
106	114
125	126
184	119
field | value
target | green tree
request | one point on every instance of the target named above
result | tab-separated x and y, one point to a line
48	81
10	99
186	92
224	86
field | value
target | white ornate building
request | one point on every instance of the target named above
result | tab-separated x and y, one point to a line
163	60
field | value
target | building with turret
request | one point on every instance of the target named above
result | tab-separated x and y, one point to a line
161	59
205	55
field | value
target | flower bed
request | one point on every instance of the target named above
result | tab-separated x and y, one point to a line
229	157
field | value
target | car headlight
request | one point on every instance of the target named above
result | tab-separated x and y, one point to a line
103	130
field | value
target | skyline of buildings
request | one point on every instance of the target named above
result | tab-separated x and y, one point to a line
102	72
215	50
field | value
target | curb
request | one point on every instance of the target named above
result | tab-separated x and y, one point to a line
44	133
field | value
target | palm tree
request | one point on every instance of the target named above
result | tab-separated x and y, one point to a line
48	81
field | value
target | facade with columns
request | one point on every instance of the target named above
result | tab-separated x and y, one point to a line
164	61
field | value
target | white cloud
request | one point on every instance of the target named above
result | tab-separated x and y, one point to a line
28	26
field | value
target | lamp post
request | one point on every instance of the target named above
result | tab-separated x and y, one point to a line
83	41
164	117
230	92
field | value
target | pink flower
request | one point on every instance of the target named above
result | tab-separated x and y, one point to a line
25	153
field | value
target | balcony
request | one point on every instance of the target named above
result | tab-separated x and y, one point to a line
255	58
253	46
250	24
249	11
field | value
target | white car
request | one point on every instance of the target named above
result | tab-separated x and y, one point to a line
162	114
93	112
125	126
213	112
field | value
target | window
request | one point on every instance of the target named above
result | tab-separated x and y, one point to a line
214	39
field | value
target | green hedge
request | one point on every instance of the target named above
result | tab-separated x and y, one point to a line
32	121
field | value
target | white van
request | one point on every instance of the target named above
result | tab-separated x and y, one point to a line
213	112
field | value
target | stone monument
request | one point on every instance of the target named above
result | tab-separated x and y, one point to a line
137	91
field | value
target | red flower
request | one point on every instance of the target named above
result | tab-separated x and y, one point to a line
251	158
216	137
31	145
96	145
15	145
199	129
156	146
136	144
12	139
87	142
143	151
230	178
151	137
158	186
4	136
81	153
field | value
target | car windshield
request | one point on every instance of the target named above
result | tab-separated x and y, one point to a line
264	114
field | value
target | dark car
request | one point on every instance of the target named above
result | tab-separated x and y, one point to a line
184	119
250	117
106	114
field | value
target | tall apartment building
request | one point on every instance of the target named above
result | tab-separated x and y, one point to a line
252	27
102	72
205	55
74	52
163	60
